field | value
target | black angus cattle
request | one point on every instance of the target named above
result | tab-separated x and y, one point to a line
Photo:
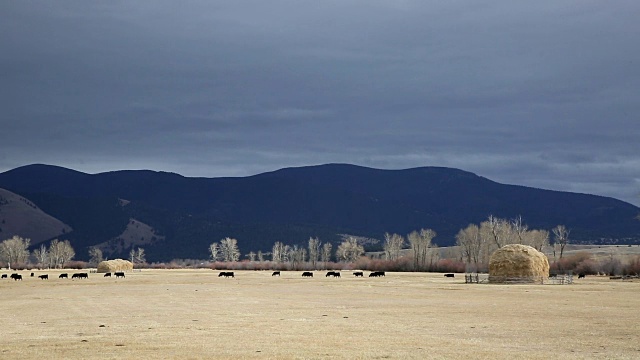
4	276
119	274
107	274
226	274
32	274
449	275
358	274
276	273
335	274
63	276
307	274
581	276
377	274
80	276
44	277
16	277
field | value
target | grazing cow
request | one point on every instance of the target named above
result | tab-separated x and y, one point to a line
107	274
358	274
581	276
449	275
377	274
330	273
44	277
4	276
276	273
63	276
32	274
226	274
16	277
307	274
80	276
119	274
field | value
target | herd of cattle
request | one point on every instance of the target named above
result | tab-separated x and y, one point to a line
305	274
83	275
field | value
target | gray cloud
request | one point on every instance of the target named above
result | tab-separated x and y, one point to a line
541	94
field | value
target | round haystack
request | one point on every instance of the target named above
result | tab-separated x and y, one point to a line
115	265
517	263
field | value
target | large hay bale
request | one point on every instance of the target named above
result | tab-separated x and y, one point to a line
115	265
517	263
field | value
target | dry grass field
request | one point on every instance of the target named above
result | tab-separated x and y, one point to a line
193	314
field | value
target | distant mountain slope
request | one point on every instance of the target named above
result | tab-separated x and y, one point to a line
292	204
20	216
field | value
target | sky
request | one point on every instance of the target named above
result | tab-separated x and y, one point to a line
537	93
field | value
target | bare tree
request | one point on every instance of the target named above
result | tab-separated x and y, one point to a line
15	250
501	231
252	256
392	246
519	229
55	250
42	256
472	244
95	255
278	252
229	249
60	252
326	253
314	251
214	251
261	256
420	243
296	255
350	250
140	256
561	237
538	239
67	252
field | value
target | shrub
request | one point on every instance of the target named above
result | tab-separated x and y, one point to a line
76	265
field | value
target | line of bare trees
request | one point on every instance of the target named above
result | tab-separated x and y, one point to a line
477	242
16	251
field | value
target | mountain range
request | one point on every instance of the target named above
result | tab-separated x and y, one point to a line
173	216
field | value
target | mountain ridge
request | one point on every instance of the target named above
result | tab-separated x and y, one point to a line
295	203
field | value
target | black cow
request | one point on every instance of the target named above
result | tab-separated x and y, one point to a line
449	275
107	274
16	277
307	274
80	276
226	274
119	274
358	274
581	276
335	274
32	274
276	273
44	277
4	276
63	276
377	274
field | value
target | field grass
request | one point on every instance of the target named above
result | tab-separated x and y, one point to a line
193	314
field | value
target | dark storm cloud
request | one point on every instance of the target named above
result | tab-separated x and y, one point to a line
542	94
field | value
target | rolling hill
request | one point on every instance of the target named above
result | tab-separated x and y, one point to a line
292	204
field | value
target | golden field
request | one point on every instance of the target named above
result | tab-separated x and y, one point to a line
193	314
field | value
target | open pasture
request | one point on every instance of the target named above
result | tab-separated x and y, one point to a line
194	314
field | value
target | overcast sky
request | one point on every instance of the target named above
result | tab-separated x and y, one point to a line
536	93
